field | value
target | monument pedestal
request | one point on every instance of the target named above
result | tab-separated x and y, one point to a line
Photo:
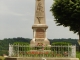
39	58
39	35
35	42
39	27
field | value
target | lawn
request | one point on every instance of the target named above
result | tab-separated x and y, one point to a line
78	55
1	58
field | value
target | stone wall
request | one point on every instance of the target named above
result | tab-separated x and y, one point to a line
38	58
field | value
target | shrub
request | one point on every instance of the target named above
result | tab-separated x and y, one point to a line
60	43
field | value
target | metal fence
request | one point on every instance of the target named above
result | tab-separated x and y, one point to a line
45	51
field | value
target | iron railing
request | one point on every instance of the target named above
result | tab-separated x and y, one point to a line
45	51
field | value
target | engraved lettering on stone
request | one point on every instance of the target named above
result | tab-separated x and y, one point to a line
38	0
39	40
40	33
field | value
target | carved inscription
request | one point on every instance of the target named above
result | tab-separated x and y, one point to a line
39	40
39	11
40	33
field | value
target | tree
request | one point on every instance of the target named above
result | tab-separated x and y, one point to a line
67	13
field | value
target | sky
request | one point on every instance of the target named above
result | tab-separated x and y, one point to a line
17	18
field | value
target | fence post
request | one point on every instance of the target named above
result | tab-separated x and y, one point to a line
73	54
68	50
10	50
18	50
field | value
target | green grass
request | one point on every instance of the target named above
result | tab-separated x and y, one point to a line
78	55
1	58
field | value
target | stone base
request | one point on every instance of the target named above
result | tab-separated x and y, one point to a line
39	58
34	42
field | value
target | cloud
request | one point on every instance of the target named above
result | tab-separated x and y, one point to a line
17	18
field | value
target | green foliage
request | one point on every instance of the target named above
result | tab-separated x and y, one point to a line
21	43
72	41
67	13
61	43
4	44
78	55
2	58
61	48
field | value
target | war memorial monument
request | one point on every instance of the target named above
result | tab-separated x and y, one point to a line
40	48
39	27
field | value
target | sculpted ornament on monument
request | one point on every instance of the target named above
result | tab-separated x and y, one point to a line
39	11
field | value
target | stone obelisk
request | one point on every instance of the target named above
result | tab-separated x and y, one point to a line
39	27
